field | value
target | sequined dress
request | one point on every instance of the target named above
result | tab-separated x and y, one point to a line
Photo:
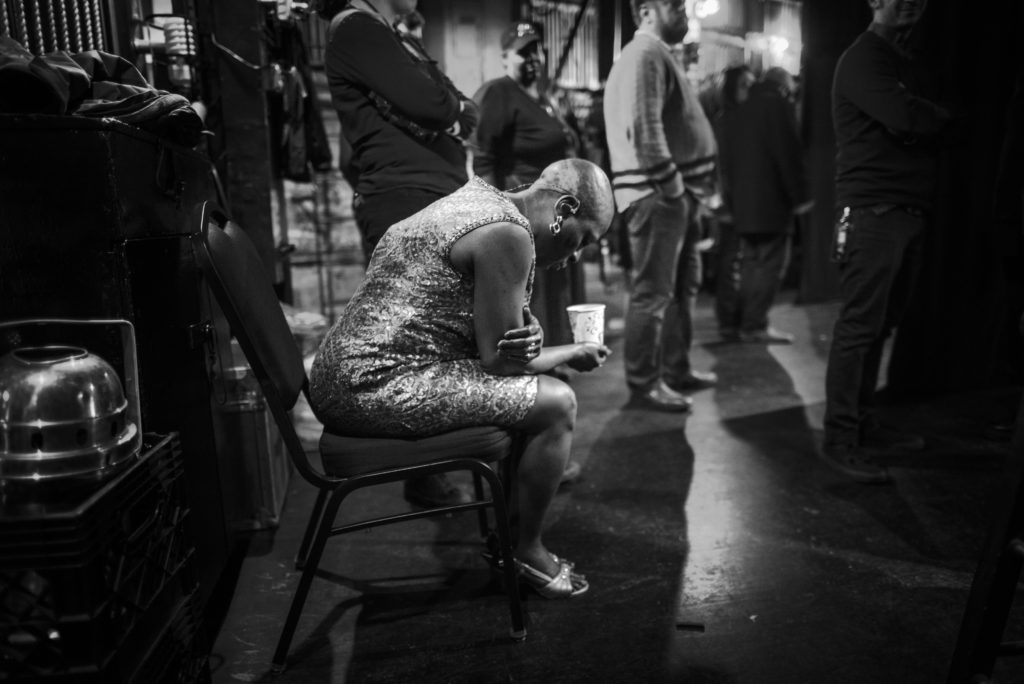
402	360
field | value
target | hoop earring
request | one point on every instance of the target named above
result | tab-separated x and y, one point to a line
567	205
556	226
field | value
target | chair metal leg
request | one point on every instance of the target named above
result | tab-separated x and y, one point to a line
311	527
518	631
478	490
323	532
510	485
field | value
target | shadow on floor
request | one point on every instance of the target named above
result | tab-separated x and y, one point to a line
720	550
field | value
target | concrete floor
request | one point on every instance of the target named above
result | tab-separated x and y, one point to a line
719	549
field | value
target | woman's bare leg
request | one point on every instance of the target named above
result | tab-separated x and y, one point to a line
549	427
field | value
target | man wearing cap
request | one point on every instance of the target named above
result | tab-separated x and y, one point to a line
662	151
520	130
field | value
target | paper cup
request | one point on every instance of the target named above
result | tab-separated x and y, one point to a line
587	322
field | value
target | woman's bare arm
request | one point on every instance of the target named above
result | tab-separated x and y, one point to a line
498	257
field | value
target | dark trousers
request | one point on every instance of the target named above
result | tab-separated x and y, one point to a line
376	213
727	278
762	261
875	283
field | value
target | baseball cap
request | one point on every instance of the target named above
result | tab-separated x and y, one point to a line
518	36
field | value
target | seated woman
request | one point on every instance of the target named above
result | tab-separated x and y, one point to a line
422	347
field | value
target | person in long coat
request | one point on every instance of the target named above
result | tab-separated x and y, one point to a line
762	158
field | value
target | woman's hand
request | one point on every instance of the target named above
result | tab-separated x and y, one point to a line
522	344
589	356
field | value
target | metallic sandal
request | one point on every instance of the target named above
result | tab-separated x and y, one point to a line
566	584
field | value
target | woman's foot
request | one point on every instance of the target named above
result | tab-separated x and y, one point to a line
550	576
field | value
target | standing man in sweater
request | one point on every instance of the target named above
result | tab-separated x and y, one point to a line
662	151
885	167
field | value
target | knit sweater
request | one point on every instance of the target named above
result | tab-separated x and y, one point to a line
658	135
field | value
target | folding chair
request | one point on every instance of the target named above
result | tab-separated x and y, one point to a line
238	279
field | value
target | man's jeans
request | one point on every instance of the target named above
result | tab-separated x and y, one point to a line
875	284
663	238
763	259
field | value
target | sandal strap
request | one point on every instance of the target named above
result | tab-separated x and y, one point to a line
564	584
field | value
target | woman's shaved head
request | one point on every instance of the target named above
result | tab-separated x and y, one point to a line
586	182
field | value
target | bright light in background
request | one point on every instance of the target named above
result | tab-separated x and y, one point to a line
692	30
705	8
773	44
777	44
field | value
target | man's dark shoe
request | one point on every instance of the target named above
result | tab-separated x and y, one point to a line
854	462
695	380
661	397
890	439
434	491
766	336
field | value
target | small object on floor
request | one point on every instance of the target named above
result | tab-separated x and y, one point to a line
767	336
695	380
566	584
434	491
571	473
690	626
661	397
854	462
891	439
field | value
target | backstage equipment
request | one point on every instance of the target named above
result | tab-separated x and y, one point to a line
63	414
246	433
104	590
170	41
66	421
97	566
95	219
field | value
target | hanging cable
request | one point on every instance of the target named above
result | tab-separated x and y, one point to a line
233	55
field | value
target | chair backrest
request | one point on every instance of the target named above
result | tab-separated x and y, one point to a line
238	279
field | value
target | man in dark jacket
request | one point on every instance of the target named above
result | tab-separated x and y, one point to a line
764	179
403	118
405	123
885	166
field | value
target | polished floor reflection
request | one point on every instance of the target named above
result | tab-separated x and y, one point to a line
718	548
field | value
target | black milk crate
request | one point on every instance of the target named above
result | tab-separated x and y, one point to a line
75	584
180	655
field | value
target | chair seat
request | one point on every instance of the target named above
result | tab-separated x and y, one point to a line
345	456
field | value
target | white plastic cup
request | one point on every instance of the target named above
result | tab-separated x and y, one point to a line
587	322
